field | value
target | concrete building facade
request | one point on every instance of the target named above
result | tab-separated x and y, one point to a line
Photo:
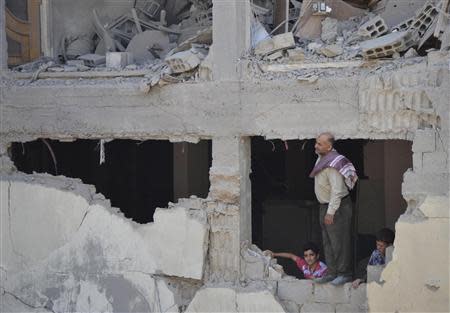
65	248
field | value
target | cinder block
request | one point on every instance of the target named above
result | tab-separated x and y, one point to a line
318	307
276	43
298	291
424	19
434	162
388	44
424	140
328	293
373	28
184	61
92	59
403	26
118	60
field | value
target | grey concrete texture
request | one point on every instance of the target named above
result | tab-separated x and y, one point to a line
83	255
404	101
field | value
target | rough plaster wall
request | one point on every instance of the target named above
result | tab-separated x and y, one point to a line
66	249
408	287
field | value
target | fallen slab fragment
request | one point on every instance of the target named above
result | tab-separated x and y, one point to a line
149	45
332	51
295	55
274	44
184	61
387	45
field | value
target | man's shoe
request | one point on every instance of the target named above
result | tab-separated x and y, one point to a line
325	279
340	280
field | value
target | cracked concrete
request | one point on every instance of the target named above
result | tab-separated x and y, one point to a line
82	255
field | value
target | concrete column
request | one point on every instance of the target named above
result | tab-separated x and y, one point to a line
231	37
3	43
231	216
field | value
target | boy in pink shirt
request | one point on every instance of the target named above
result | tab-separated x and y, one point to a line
310	264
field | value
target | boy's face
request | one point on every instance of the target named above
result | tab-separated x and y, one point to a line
381	246
310	257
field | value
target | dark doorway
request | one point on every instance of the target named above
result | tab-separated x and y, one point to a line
137	176
284	206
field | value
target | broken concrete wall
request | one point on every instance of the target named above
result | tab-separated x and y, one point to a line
406	286
298	296
65	249
226	299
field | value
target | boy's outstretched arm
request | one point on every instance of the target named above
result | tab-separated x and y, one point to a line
287	255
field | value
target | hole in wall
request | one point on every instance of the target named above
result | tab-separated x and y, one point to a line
285	212
137	176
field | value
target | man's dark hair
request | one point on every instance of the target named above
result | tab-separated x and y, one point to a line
386	235
311	246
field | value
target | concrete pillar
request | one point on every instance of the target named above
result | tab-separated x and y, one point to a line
230	192
3	43
231	37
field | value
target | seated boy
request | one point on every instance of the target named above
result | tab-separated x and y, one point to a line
385	238
310	264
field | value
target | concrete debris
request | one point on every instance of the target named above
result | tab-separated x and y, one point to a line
345	32
310	25
118	60
295	55
92	60
373	28
185	61
274	56
151	31
329	29
274	44
411	53
397	11
331	51
387	45
149	45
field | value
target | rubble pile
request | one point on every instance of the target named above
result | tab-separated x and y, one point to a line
169	41
350	30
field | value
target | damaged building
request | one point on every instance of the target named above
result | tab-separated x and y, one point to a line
152	150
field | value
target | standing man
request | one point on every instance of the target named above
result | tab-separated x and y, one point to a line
333	176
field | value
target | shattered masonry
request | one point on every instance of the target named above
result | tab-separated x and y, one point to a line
367	69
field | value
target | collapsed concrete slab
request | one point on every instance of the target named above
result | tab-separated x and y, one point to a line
65	247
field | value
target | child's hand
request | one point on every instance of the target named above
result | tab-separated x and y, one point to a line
356	283
268	253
